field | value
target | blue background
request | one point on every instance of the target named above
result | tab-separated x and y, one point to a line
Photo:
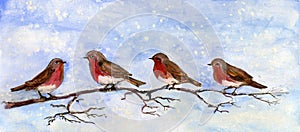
261	37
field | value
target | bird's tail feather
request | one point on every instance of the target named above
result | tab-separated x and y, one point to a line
194	82
135	82
257	85
21	87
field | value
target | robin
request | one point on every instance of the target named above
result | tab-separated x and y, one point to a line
169	72
107	73
231	76
46	81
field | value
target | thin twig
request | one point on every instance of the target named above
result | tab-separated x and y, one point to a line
73	114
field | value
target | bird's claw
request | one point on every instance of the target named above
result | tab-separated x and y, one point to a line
149	95
51	96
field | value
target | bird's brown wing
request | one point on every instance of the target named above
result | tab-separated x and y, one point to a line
175	71
237	73
40	78
114	70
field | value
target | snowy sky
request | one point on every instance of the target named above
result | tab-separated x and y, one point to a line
261	37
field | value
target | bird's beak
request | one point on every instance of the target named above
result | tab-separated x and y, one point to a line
85	57
64	62
209	64
150	58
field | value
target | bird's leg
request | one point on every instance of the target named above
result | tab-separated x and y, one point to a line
170	86
229	87
106	86
51	96
112	86
167	86
115	84
41	96
234	90
173	85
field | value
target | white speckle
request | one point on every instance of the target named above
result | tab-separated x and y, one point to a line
193	24
241	38
266	31
57	12
202	52
36	25
30	6
59	15
46	49
138	26
254	34
196	52
65	14
161	20
153	25
243	9
8	40
146	38
80	11
69	76
274	49
240	12
252	13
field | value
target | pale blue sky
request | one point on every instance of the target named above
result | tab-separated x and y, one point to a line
261	37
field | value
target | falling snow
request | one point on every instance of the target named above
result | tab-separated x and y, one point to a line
261	37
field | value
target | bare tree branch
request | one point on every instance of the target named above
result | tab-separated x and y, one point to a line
151	103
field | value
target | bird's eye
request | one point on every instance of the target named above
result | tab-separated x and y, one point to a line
217	64
92	56
56	62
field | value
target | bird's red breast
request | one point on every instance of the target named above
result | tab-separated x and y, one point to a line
160	70
96	71
220	76
56	77
162	74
